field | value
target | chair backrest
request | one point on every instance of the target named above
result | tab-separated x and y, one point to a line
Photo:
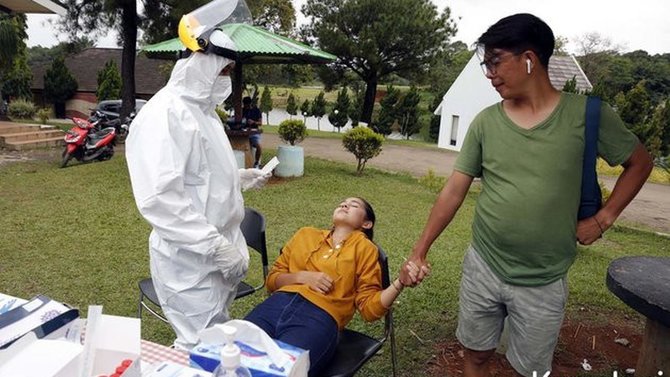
386	282
253	229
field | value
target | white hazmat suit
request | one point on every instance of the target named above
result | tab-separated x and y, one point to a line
187	186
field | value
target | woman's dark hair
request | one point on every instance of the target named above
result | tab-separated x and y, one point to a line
369	216
518	33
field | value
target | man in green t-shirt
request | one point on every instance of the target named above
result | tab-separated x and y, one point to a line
528	152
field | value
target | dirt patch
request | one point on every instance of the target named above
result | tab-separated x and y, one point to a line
582	337
8	157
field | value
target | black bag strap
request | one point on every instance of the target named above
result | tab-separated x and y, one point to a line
590	188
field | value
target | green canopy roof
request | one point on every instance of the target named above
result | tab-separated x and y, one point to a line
254	46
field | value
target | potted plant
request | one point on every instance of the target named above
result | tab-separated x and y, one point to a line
291	157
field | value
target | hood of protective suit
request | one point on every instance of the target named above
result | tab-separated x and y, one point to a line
196	79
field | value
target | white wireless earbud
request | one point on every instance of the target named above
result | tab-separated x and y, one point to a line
528	66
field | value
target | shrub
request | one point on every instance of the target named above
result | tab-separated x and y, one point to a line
292	131
364	144
109	82
432	181
21	109
59	84
43	115
223	115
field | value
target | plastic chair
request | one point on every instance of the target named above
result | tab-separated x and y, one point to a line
354	348
253	228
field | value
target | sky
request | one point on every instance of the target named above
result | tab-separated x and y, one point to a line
639	25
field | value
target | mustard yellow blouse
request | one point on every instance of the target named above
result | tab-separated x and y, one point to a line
353	267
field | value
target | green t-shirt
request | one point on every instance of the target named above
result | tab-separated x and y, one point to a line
526	216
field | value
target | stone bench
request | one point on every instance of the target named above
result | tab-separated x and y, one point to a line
643	283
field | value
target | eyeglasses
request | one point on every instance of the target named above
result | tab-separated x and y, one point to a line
490	65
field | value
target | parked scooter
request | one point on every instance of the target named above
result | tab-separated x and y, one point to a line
85	143
103	119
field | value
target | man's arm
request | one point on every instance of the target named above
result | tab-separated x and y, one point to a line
447	204
635	172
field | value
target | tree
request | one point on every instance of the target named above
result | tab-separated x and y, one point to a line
339	115
636	110
408	113
571	85
291	106
435	120
304	110
12	35
318	108
278	16
19	78
364	144
266	103
59	85
594	42
388	113
109	82
659	131
560	45
634	107
376	38
12	45
94	17
448	65
43	55
161	17
661	121
356	106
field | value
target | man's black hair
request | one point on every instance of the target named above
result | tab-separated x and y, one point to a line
518	33
246	101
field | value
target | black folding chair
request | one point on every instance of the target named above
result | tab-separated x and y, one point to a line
253	228
354	348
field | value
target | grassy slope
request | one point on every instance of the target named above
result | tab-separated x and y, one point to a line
75	235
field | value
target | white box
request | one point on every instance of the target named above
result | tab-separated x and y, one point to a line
117	339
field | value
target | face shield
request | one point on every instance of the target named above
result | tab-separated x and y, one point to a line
199	31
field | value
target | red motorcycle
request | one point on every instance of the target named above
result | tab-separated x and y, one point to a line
86	144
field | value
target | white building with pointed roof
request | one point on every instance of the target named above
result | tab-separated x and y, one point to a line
471	92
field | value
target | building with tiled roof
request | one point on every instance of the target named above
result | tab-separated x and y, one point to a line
471	92
150	76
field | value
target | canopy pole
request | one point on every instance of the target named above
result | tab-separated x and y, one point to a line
237	90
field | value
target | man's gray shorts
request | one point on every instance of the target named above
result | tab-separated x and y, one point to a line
535	315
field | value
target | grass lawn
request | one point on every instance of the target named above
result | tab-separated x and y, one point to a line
75	235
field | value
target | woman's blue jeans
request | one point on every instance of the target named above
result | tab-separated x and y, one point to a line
294	320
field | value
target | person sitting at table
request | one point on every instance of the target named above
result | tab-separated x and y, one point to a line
319	280
254	119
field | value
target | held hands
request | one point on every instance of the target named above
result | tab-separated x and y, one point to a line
413	271
253	178
317	281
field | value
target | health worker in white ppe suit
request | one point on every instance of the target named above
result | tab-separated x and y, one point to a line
188	187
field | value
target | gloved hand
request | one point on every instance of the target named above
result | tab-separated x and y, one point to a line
232	262
253	178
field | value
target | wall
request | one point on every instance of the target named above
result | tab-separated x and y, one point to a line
467	96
